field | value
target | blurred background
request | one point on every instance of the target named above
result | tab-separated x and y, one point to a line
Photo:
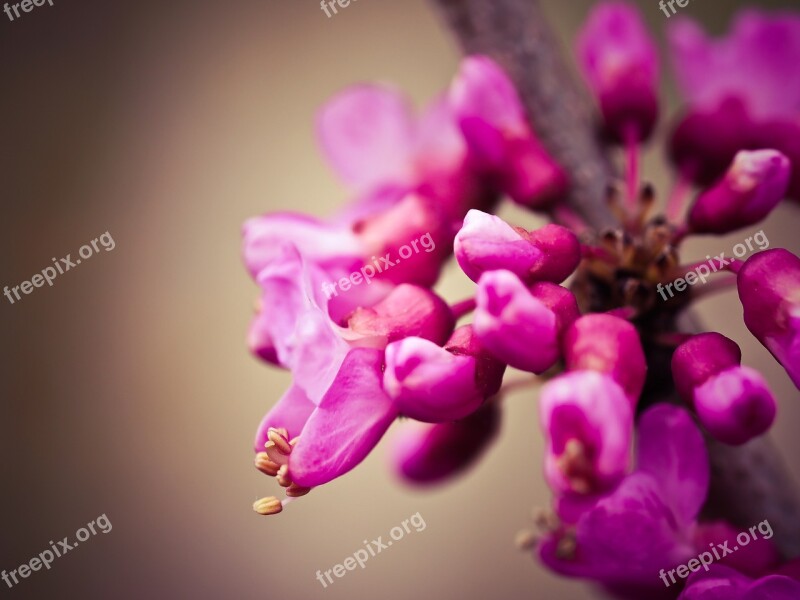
127	388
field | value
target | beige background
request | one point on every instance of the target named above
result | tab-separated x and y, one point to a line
127	389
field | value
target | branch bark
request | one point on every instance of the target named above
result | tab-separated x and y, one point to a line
749	484
515	34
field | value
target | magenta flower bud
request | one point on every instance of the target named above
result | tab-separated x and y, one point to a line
702	356
500	141
733	403
620	64
783	136
407	311
408	242
754	184
522	327
588	421
487	243
533	179
769	289
434	384
607	344
736	405
427	454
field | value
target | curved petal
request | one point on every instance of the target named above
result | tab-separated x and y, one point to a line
720	583
348	423
429	383
485	243
367	133
327	246
303	337
317	353
588	422
625	538
672	450
425	454
514	325
773	587
290	412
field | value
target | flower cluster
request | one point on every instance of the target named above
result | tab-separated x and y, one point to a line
369	355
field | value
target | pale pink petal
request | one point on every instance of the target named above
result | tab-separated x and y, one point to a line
367	134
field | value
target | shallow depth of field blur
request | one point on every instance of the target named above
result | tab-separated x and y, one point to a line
127	388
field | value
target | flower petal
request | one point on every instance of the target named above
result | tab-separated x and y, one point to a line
672	450
348	423
625	538
329	247
429	383
367	135
290	412
588	422
518	328
735	405
426	454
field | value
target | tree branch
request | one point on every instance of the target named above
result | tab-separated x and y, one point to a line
750	483
515	34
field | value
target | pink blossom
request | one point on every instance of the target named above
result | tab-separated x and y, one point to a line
769	289
734	403
521	326
619	61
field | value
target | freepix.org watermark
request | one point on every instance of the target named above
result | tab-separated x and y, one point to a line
25	5
705	559
663	4
329	6
45	559
379	265
59	267
703	270
370	550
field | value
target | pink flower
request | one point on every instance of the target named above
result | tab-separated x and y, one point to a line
755	183
756	63
346	424
742	89
733	403
724	583
522	327
434	384
610	345
620	63
374	142
588	422
332	251
336	385
487	243
769	289
424	454
622	539
293	325
500	140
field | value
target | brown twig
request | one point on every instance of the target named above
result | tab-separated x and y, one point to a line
750	483
514	33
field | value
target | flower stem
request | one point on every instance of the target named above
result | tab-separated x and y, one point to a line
463	308
632	169
567	217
